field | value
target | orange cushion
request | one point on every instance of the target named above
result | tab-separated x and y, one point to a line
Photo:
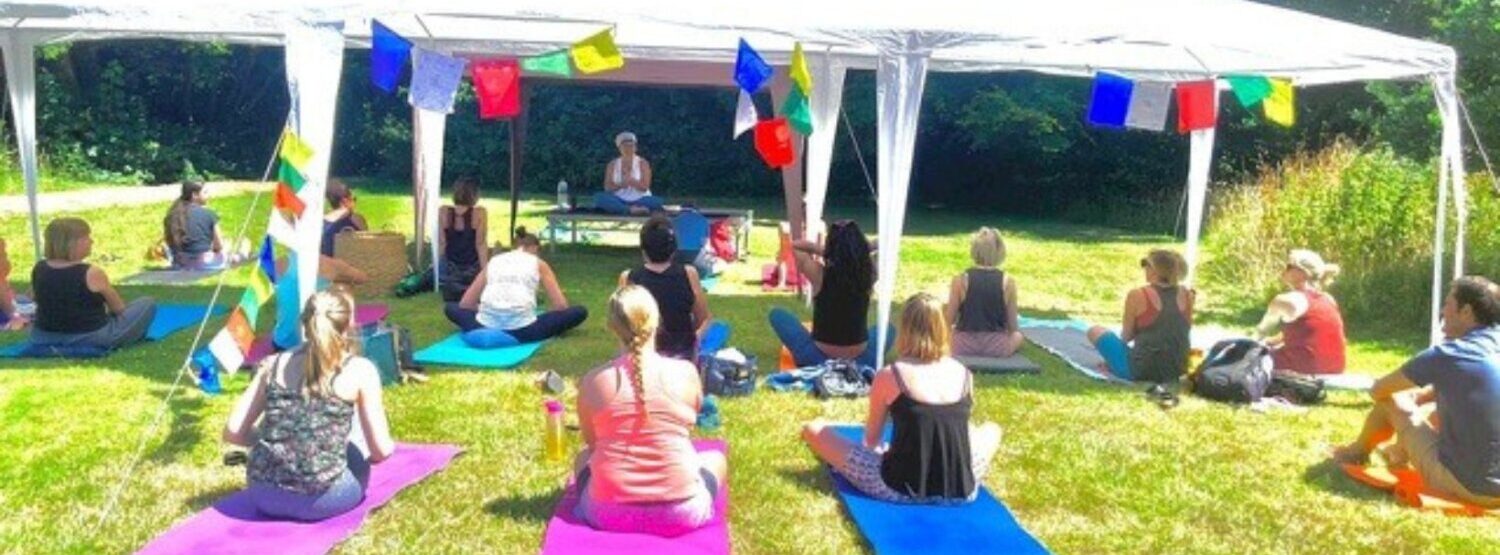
1406	484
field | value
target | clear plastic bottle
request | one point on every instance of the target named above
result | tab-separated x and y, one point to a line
554	441
562	195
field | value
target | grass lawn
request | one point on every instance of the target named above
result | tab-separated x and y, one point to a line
1087	467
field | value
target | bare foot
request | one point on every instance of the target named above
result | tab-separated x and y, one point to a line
1395	456
1349	454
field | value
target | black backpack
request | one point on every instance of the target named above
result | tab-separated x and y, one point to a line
726	377
843	378
1235	371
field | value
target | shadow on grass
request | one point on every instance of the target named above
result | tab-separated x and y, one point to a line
527	509
207	499
814	479
1328	476
186	430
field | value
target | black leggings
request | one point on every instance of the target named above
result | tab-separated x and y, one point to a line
546	326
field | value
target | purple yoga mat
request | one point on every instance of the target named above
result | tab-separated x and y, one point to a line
364	315
234	526
566	534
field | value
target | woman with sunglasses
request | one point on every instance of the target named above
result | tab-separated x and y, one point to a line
1153	342
341	217
1312	329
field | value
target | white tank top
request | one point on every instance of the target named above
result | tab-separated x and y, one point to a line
509	298
628	194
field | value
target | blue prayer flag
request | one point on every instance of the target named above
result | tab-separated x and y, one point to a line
750	70
268	259
388	55
1111	101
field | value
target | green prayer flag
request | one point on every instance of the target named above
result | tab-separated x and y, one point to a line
1249	89
554	63
250	305
289	175
797	112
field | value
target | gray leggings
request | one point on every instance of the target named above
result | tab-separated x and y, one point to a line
122	329
347	491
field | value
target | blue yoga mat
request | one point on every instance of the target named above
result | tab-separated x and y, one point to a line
708	283
452	351
170	318
982	526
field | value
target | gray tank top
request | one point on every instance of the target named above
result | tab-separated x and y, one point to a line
1160	352
983	309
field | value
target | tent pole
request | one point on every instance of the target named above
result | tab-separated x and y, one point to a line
20	80
517	140
418	208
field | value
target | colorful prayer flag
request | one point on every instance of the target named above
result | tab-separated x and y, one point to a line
797	112
552	63
745	116
268	259
388	55
750	70
1111	100
1149	101
1280	105
289	175
1197	105
799	72
239	329
226	351
1249	89
434	80
282	231
773	140
497	83
250	306
294	151
286	199
597	53
260	286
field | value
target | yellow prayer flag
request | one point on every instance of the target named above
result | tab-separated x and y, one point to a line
799	71
260	285
294	151
1281	105
597	53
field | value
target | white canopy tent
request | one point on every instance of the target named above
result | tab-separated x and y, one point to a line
1165	40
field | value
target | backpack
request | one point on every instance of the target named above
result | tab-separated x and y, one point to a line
842	378
728	378
1235	371
389	347
721	241
1297	388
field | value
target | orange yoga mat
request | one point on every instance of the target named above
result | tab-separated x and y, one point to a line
1406	484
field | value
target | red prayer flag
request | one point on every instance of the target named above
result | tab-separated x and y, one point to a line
773	140
497	83
239	328
1197	105
287	200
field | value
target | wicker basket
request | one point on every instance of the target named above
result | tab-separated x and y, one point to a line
380	254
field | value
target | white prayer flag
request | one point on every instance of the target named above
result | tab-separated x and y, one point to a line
1148	106
745	116
227	351
281	230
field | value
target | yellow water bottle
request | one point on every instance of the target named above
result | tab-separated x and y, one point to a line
555	443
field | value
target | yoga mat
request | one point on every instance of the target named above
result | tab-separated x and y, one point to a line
709	283
566	534
1069	341
364	315
1014	364
1407	487
170	318
165	276
1348	382
981	526
452	351
233	525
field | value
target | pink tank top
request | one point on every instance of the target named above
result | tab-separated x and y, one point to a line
643	456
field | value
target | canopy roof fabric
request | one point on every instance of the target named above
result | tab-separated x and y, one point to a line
1167	40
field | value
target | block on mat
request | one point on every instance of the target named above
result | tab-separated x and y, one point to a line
566	534
452	351
981	526
234	526
171	318
1014	364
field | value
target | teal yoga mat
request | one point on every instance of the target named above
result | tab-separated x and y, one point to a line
452	351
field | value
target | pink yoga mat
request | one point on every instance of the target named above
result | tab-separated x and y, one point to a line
364	315
234	526
566	534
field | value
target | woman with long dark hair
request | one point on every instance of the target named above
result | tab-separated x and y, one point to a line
191	232
842	274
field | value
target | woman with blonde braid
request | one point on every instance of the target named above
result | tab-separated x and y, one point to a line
302	464
639	471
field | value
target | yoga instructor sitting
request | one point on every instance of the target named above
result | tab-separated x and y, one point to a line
935	454
639	471
503	297
842	274
627	182
303	465
1443	406
1312	329
75	303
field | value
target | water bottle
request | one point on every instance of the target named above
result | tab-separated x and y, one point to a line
553	438
562	195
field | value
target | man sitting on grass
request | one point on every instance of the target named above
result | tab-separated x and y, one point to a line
1457	449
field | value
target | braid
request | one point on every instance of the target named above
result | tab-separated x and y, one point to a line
637	377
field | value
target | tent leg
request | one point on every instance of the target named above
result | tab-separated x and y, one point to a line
517	142
899	81
20	80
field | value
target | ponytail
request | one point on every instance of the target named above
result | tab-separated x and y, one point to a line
325	322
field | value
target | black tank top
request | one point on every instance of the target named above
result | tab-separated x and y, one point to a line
676	336
333	228
1160	352
458	244
840	317
929	452
64	303
983	309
